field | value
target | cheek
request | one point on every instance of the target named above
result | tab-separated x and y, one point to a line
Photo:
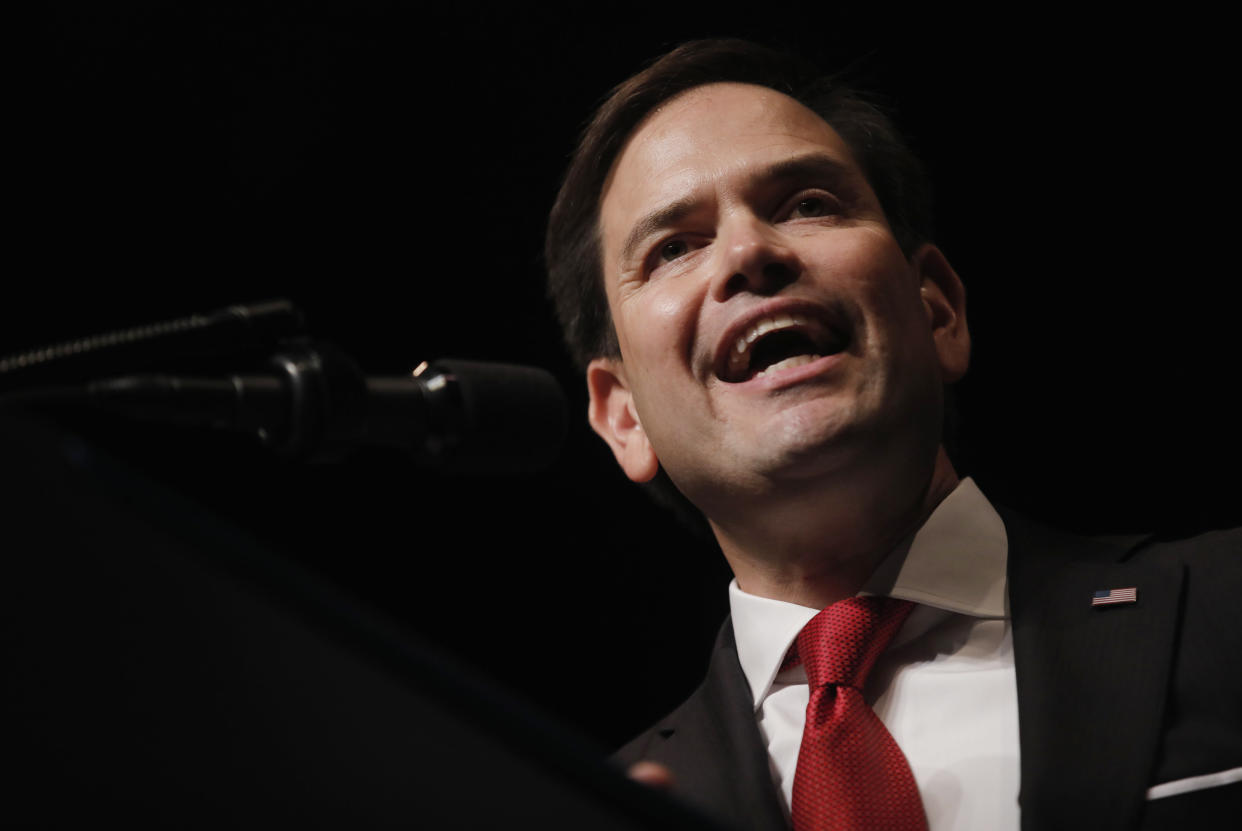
872	257
659	327
896	329
669	308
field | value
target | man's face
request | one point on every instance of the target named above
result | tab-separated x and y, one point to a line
770	327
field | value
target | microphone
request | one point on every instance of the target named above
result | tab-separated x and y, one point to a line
313	403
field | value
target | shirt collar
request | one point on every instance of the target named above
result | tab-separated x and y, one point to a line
956	562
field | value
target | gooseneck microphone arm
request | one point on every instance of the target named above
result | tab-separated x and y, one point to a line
230	330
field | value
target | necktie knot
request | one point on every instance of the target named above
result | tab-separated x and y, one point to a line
851	775
841	643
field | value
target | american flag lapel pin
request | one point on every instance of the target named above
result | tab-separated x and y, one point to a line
1109	597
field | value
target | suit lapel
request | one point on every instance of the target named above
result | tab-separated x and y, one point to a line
1092	680
714	747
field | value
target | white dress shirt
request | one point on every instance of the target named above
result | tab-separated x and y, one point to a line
945	687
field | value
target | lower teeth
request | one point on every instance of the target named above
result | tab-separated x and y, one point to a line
796	360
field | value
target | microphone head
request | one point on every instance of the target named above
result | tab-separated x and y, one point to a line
511	419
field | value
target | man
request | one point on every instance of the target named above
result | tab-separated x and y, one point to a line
742	262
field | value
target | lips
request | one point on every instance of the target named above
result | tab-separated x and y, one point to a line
777	339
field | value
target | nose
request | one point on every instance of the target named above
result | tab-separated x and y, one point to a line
754	259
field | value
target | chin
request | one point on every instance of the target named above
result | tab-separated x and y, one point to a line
813	442
807	450
819	425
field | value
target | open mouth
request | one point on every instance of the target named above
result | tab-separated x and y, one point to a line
779	341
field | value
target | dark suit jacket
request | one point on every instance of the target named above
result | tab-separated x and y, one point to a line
1111	700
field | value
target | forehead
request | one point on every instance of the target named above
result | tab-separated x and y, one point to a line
704	139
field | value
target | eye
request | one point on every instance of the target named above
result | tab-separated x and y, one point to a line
810	206
671	250
668	251
673	253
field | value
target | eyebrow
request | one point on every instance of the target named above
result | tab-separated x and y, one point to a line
670	214
807	166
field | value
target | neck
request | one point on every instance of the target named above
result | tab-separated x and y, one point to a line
819	547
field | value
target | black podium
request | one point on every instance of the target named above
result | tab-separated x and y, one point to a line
161	668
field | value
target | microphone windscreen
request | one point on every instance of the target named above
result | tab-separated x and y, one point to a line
513	418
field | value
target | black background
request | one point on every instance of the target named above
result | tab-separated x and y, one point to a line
390	168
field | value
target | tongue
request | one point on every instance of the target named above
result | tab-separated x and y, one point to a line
796	360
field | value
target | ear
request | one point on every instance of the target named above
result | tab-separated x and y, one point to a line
944	298
613	415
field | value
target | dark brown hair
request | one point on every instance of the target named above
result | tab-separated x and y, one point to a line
572	247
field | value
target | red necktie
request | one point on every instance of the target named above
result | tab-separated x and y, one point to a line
851	774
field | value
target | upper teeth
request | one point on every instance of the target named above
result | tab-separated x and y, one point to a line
765	325
738	359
